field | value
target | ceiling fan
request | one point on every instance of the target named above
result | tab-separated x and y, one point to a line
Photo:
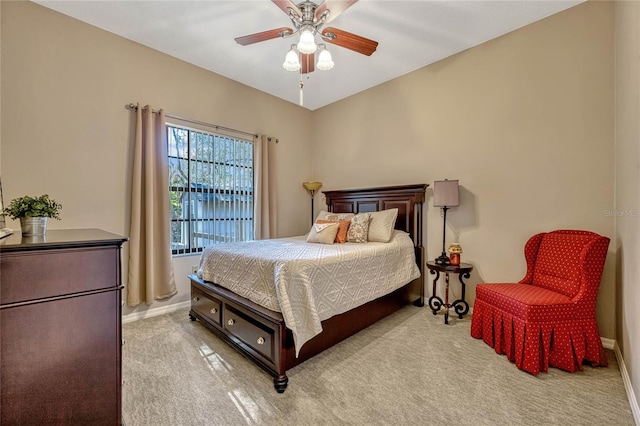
308	18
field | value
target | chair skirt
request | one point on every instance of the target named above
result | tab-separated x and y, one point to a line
536	345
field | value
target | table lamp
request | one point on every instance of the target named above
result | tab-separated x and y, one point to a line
445	195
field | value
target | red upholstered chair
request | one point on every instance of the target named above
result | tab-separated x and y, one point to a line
548	318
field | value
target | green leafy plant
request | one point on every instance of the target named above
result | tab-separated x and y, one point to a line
27	206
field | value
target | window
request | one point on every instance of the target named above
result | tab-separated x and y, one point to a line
210	188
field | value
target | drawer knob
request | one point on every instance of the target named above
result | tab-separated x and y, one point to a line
231	322
213	310
261	340
195	299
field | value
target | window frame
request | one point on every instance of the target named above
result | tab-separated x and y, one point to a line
190	220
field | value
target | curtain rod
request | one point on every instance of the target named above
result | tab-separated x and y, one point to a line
202	123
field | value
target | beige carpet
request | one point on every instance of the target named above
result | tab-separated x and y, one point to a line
407	369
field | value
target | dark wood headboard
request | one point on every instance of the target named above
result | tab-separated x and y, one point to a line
408	199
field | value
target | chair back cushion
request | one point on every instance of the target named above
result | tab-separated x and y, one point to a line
560	263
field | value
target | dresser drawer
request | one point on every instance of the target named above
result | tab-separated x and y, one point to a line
254	334
61	362
205	305
39	274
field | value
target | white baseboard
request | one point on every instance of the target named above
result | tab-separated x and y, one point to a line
154	312
626	380
608	343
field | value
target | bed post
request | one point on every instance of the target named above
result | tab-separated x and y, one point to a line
419	251
281	380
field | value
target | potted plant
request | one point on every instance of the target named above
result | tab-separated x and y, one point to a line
33	213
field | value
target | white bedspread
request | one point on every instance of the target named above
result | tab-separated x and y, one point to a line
308	282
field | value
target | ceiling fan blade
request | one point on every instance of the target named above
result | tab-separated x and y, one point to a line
307	61
335	7
349	41
265	35
285	5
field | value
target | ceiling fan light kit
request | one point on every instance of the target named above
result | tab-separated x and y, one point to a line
308	19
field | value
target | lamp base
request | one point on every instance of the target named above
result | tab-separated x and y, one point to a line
443	259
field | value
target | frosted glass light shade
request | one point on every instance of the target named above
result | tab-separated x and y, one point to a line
291	61
325	62
307	42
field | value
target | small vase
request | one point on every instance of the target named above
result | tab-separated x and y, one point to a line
33	225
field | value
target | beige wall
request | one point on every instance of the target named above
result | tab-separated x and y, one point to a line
67	133
627	190
525	122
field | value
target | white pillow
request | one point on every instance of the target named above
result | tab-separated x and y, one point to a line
323	233
382	224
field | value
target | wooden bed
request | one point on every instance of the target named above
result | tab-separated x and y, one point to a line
261	334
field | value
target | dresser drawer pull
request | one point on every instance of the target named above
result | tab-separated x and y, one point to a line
195	299
231	322
213	310
261	340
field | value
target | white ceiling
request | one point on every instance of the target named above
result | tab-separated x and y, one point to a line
411	34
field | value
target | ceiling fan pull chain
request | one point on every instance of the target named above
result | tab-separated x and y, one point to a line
301	86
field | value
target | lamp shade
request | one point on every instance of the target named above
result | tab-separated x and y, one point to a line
446	193
312	186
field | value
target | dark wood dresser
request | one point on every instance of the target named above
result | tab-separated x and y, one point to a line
60	328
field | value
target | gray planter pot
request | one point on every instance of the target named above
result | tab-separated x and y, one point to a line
33	225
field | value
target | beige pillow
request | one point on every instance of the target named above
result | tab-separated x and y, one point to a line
382	224
359	228
323	233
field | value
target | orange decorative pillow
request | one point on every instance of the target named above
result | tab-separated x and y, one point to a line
343	228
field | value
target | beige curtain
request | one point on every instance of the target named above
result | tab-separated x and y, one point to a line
150	268
264	213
